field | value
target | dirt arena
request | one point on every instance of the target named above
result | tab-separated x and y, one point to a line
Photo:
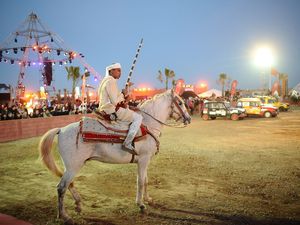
211	172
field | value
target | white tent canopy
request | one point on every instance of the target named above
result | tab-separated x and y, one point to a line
210	92
295	91
297	88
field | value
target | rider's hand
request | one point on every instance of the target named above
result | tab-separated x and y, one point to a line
113	117
124	91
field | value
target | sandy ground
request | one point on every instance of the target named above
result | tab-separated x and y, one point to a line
212	172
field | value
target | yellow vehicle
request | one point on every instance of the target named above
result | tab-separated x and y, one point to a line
253	106
269	100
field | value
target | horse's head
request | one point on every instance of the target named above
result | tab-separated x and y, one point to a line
178	109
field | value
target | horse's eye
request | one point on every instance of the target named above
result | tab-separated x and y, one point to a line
180	103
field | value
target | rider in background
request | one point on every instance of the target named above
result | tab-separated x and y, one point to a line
111	101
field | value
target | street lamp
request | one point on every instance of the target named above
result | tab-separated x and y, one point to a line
264	58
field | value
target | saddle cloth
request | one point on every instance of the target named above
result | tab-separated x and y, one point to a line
94	129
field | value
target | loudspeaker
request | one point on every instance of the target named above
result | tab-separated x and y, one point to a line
48	73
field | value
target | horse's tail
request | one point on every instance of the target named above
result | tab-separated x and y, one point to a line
45	151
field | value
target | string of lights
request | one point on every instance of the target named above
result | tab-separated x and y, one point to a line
34	45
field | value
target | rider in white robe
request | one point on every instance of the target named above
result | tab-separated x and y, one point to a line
110	97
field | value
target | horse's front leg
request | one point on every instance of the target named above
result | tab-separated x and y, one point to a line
141	178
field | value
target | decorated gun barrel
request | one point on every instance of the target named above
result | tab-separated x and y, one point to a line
133	64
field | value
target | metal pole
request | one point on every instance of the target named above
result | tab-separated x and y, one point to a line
270	80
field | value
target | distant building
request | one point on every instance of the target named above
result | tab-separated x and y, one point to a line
253	92
198	89
145	93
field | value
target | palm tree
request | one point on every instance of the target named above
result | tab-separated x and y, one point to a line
222	80
59	96
160	76
228	83
169	74
74	75
65	96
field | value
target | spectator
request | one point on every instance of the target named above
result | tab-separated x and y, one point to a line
83	107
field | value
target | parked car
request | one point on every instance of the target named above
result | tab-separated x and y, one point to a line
253	106
270	100
214	109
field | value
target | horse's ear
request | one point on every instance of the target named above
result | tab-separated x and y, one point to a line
172	91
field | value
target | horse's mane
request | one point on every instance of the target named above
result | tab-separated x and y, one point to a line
144	104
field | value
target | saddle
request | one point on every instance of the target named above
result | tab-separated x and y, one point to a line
98	130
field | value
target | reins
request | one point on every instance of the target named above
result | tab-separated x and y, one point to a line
160	122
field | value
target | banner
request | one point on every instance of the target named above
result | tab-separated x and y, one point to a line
179	88
233	87
275	87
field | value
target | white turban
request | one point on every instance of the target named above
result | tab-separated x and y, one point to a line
112	66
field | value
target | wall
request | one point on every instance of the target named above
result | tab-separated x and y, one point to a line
25	128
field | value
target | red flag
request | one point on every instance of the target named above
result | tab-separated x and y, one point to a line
274	72
179	86
233	87
275	87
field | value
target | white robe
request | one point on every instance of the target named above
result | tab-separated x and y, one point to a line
110	96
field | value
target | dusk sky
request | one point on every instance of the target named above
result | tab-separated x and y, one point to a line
198	39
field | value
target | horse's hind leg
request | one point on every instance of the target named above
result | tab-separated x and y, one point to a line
61	190
147	198
76	197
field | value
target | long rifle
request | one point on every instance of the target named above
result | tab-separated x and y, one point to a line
133	65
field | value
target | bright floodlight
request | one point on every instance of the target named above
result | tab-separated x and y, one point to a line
264	57
203	85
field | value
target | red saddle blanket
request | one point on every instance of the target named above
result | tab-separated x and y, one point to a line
94	129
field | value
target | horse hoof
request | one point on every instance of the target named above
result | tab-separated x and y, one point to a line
142	208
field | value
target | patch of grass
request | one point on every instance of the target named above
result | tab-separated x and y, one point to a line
212	172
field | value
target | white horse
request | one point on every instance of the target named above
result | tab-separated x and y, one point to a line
74	152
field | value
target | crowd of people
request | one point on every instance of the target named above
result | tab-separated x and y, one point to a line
44	109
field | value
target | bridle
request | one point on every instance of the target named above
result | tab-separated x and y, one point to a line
175	104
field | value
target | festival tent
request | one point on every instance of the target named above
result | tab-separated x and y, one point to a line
210	92
187	94
297	88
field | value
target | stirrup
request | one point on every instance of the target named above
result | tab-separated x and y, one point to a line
129	148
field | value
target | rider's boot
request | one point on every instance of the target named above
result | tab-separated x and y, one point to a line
133	129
